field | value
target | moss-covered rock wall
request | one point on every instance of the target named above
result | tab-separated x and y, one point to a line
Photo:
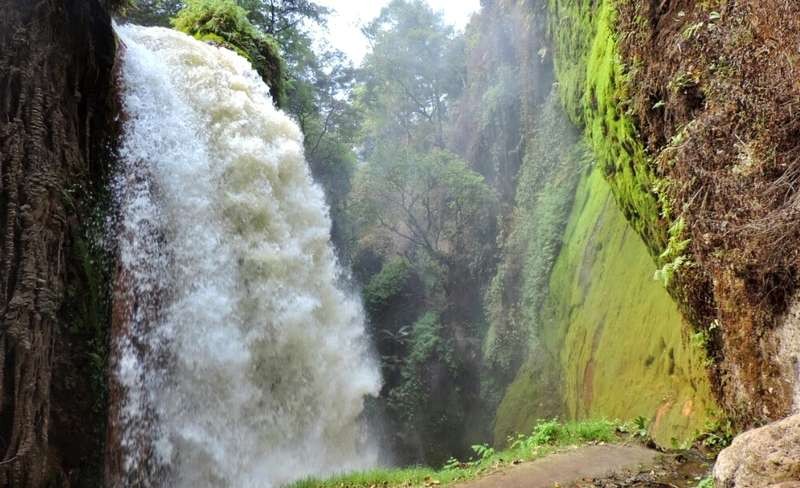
604	338
690	109
612	341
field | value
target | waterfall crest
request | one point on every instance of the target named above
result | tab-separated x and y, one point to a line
242	362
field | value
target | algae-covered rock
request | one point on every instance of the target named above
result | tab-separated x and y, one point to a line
769	456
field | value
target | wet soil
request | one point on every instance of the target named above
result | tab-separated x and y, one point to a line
603	466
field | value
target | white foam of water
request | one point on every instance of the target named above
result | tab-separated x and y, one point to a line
245	365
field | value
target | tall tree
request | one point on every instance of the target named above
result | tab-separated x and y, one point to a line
413	74
430	201
283	18
419	202
151	12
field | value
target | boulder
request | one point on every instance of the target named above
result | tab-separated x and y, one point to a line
764	457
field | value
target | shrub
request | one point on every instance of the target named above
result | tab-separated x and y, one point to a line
388	283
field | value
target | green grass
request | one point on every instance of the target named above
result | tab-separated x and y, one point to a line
706	483
547	437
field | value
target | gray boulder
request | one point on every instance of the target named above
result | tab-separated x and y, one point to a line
764	457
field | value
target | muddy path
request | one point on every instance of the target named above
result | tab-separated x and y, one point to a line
605	466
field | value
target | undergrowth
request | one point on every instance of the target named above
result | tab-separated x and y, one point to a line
706	483
547	437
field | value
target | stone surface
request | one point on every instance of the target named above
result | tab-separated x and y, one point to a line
764	457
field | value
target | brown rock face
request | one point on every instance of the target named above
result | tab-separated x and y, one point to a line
56	59
715	95
769	456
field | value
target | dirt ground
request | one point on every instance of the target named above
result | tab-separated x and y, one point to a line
603	466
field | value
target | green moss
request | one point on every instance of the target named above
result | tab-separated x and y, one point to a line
545	191
225	23
593	87
614	332
534	394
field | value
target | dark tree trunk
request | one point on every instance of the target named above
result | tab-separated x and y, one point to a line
56	61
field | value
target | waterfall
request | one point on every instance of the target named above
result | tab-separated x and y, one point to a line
241	361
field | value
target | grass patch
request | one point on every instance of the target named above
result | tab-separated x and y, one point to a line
547	437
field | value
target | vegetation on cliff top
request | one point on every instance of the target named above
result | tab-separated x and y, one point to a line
225	23
595	91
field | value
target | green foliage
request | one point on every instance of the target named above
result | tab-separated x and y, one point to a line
717	434
413	198
641	425
673	257
706	483
451	464
387	284
427	340
638	428
545	192
148	12
552	432
427	346
547	432
522	448
419	402
224	22
411	77
483	451
431	200
280	18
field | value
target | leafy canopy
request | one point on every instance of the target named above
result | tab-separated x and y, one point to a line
413	73
430	200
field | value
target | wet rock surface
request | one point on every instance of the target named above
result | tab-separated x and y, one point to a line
673	470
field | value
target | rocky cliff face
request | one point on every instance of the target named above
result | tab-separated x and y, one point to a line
696	137
578	326
715	94
56	61
690	108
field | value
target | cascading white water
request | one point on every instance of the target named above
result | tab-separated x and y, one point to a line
243	364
